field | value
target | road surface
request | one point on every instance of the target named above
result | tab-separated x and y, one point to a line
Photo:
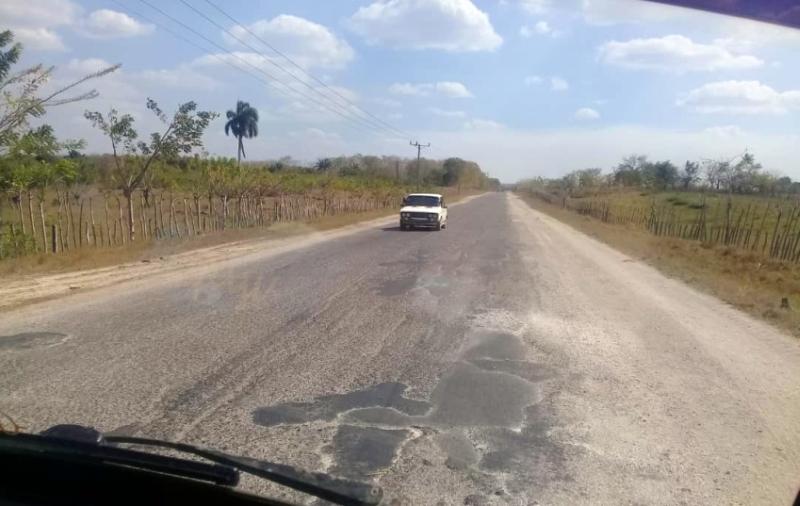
506	360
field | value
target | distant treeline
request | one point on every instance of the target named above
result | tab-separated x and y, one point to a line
741	175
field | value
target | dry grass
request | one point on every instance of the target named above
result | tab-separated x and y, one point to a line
743	279
687	205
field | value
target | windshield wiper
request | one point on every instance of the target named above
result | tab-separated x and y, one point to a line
78	442
320	485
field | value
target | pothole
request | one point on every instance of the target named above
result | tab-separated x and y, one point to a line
491	391
30	340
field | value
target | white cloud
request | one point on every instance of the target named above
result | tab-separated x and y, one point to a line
108	24
483	124
725	131
418	90
386	102
586	113
449	89
535	6
558	84
446	113
32	21
449	25
740	97
182	77
253	62
674	53
40	39
453	89
539	28
308	43
38	13
542	28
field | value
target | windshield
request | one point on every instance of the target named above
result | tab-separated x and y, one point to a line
421	201
473	252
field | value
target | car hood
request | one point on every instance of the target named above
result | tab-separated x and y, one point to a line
420	209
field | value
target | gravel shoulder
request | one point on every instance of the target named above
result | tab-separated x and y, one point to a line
672	396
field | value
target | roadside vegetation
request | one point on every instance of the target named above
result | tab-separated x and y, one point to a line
56	200
726	226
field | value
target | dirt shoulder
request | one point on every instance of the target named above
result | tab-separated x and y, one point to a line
62	275
743	279
664	394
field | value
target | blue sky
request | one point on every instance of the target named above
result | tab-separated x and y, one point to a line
524	87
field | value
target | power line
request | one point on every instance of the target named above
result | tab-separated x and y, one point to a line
303	70
224	50
258	69
346	109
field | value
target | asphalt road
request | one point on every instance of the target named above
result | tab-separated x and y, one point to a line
505	360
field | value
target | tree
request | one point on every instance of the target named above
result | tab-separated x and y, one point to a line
664	174
19	99
589	178
323	164
745	174
783	185
629	171
243	122
133	159
690	174
717	173
8	57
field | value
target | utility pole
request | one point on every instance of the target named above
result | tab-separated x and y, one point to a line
419	150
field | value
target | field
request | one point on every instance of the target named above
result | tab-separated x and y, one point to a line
743	272
766	226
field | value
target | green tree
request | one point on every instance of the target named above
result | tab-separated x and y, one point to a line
323	164
663	174
242	122
133	158
8	57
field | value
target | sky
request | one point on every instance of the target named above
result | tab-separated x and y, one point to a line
524	87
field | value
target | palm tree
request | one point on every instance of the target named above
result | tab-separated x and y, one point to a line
243	122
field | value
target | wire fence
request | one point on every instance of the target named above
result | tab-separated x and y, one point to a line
770	229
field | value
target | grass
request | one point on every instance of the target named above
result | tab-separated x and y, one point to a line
687	205
743	279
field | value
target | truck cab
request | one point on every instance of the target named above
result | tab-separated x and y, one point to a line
423	210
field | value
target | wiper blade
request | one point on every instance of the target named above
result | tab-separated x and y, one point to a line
336	490
76	441
82	450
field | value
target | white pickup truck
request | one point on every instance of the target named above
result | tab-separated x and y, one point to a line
423	210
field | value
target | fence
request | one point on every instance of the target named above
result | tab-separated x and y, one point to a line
769	229
102	221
